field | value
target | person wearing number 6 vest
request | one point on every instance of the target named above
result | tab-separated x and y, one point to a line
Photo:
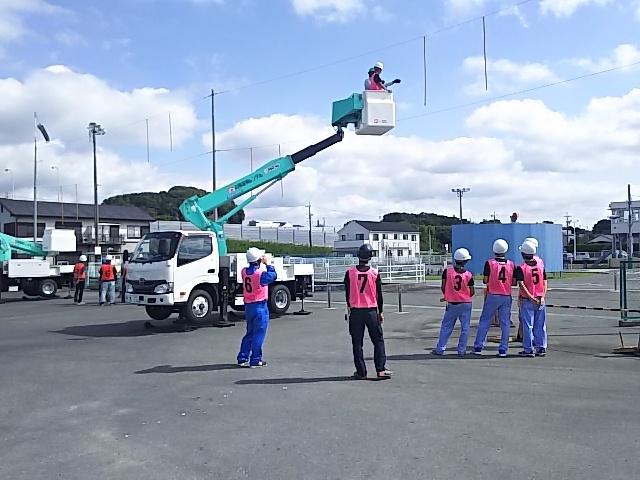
532	282
458	289
498	278
363	289
255	290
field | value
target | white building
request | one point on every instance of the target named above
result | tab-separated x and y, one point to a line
387	239
120	227
620	222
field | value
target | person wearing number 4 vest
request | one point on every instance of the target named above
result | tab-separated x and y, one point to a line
458	289
363	290
532	282
255	290
498	278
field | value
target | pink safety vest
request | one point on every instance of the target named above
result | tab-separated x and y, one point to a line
252	291
456	288
539	260
373	85
533	279
362	288
500	277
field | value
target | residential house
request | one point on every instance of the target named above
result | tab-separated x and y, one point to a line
388	240
620	224
120	227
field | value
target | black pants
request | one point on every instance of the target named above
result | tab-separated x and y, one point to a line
77	297
359	319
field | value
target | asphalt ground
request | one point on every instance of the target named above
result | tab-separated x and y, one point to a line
88	393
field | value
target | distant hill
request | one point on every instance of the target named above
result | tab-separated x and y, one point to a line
165	205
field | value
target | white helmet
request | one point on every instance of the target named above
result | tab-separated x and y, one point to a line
254	254
462	254
532	240
528	248
83	258
379	65
500	246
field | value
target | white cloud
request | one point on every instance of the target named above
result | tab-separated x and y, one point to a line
69	38
519	156
12	14
330	10
625	54
566	8
505	75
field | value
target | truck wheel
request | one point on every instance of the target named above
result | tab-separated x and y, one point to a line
199	307
47	288
279	299
158	313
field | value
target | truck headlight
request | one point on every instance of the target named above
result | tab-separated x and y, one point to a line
164	288
129	287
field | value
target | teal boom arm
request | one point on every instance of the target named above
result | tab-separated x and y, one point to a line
9	243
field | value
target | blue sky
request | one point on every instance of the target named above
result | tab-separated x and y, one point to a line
190	46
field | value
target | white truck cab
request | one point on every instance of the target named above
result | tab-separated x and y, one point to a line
181	272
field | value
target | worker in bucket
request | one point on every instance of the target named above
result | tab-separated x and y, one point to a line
532	282
363	290
79	279
498	278
255	290
458	288
535	243
374	82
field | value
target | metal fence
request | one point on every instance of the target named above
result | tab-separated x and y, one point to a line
629	290
321	236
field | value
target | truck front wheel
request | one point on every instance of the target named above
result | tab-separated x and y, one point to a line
279	299
47	288
199	307
158	313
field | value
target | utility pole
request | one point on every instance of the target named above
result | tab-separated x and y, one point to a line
45	135
95	129
630	235
213	146
310	215
460	192
493	217
568	222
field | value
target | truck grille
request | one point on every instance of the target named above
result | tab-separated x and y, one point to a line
145	286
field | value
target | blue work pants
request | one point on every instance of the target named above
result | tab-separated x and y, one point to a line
492	304
534	325
257	315
452	313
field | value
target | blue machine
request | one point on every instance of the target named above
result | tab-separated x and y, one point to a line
479	238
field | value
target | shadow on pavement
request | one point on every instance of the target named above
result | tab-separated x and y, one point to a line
189	368
294	380
133	328
448	356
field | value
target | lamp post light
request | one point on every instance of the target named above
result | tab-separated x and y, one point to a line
13	185
95	129
460	192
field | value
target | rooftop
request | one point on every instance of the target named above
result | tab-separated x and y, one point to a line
24	208
387	226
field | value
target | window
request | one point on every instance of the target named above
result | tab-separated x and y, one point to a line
194	247
25	230
375	237
359	236
374	253
343	237
405	237
409	252
384	236
389	254
10	229
400	252
413	238
395	236
134	231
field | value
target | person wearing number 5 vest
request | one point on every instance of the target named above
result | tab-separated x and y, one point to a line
255	290
458	289
541	263
532	282
498	278
363	290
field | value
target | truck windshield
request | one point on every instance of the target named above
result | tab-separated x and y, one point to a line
156	247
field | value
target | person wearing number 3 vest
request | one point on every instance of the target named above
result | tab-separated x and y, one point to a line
458	289
363	289
532	282
255	290
498	278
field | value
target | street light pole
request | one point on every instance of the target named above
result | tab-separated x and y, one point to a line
213	145
460	192
53	167
95	129
37	126
13	185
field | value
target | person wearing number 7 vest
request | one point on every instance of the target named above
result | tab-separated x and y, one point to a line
532	282
498	278
255	290
363	289
458	289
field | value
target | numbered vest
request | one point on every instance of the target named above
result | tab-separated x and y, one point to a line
533	279
362	288
500	277
252	291
372	84
106	273
80	271
456	288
